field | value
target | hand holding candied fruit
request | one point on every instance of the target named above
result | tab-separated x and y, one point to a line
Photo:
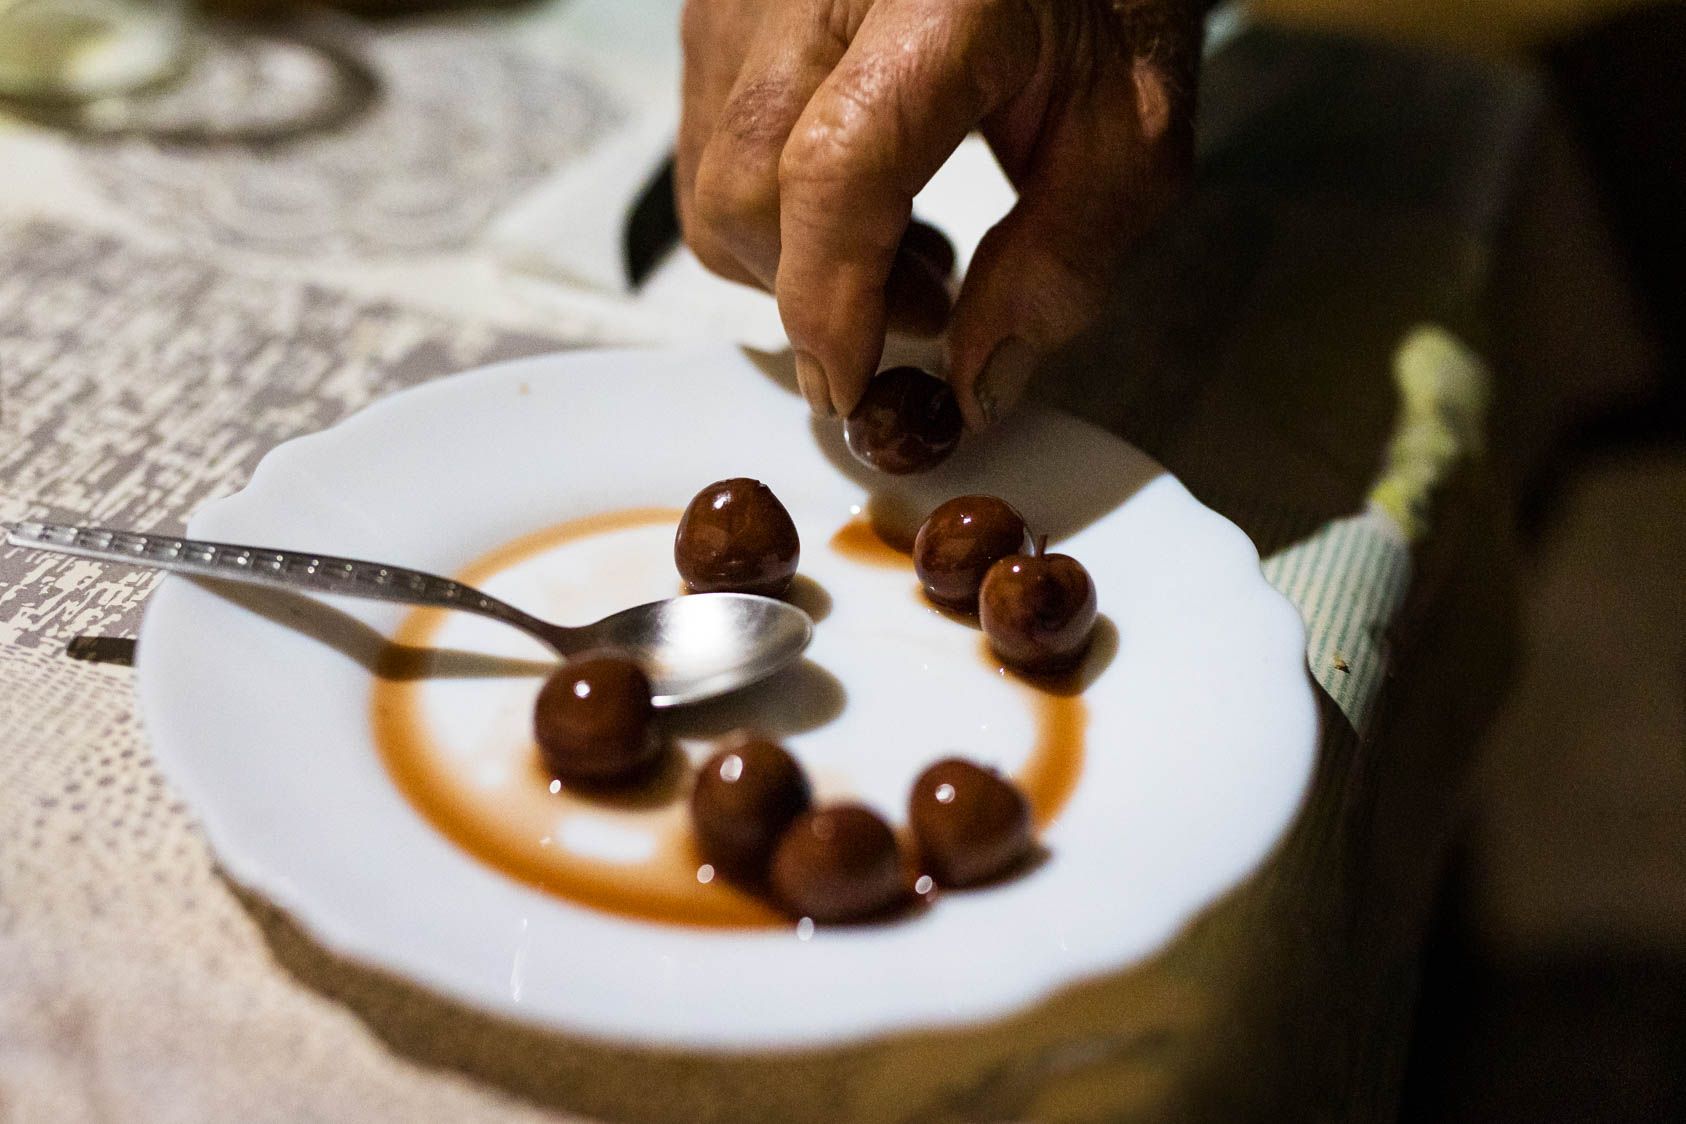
970	824
960	541
736	537
594	722
907	421
1038	610
745	797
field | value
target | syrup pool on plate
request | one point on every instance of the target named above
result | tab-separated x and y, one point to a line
460	747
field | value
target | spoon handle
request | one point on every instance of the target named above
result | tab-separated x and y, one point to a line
280	569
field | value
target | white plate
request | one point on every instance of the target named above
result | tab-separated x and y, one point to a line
1202	727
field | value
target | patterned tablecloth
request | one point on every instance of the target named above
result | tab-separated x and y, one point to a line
167	316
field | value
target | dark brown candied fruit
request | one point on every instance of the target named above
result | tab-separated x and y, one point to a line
969	823
930	245
907	421
960	541
745	797
594	722
838	864
736	537
1038	611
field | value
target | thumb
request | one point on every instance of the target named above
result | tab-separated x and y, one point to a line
1108	162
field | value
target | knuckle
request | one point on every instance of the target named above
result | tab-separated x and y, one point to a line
708	248
737	175
712	255
861	127
820	154
852	123
759	114
728	195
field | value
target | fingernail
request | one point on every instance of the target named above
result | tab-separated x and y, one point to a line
810	376
1003	378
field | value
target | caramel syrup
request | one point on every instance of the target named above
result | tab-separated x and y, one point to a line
671	884
859	541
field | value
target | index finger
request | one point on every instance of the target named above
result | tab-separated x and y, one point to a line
919	75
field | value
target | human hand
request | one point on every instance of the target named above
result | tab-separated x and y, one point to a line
809	126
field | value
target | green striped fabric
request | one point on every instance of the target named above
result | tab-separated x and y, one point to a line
1349	579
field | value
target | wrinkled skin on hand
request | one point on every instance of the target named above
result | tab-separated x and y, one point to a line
809	125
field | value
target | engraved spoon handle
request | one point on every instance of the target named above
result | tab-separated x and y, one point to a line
280	569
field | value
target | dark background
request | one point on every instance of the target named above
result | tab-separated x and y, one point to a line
1555	982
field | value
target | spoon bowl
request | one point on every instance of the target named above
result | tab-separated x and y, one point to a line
705	644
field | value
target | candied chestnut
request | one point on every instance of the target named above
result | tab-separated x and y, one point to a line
930	245
745	797
969	823
1038	610
960	541
838	864
594	722
736	537
907	421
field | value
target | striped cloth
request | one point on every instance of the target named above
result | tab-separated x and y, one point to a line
1350	578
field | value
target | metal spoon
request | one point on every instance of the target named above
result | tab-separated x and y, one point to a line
692	647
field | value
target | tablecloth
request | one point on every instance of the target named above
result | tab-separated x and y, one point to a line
1300	345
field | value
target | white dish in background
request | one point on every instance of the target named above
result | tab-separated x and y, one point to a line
1202	726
